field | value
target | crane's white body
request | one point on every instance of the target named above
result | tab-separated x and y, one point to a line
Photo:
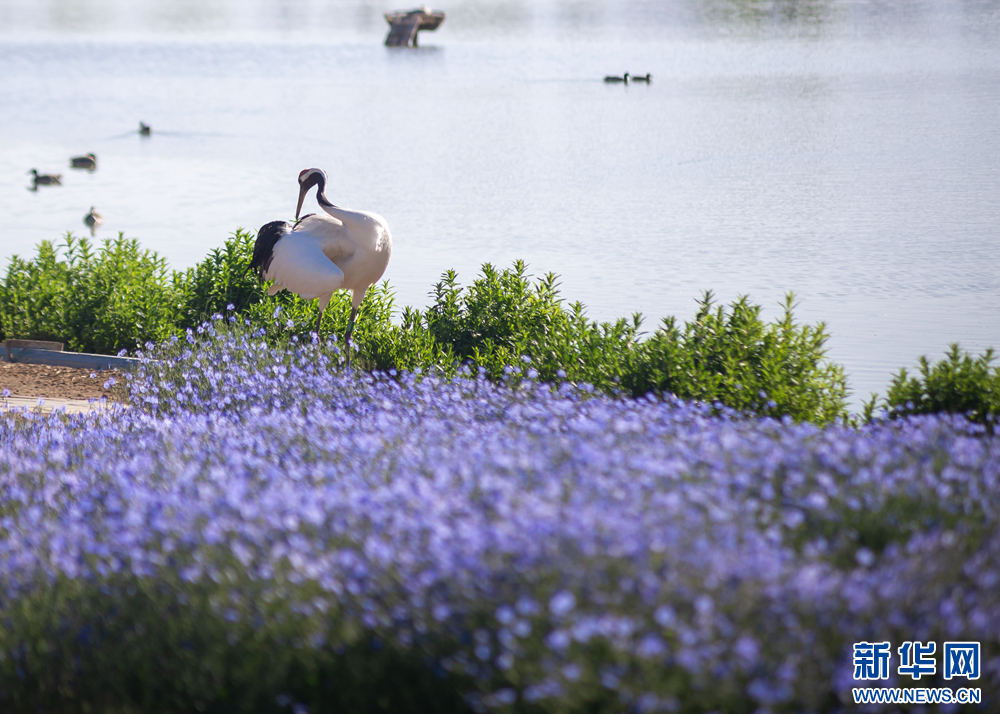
320	254
344	250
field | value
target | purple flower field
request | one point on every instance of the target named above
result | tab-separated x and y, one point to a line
540	549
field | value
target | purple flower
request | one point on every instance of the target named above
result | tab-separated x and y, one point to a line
523	531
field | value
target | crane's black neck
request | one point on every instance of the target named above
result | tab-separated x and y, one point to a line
319	180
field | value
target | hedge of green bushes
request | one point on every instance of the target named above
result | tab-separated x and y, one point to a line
118	296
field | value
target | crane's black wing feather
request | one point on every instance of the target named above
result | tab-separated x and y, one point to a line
268	235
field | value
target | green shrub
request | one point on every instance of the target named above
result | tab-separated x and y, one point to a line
505	323
733	357
503	317
726	356
93	301
409	346
162	646
223	278
958	384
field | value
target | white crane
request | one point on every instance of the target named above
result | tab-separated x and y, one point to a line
344	250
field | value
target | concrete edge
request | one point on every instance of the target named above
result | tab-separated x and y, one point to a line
47	406
79	360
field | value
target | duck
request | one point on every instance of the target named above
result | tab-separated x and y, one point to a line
88	162
92	220
642	78
145	129
611	78
46	179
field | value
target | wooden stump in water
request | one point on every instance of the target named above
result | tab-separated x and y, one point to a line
405	24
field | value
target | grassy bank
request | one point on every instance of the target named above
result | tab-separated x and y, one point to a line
117	296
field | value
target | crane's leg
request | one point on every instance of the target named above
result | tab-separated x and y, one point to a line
350	331
357	296
323	302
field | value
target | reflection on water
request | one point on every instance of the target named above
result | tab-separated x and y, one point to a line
484	19
507	20
811	14
846	150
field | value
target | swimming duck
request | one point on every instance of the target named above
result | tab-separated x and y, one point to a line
92	220
617	79
640	78
46	179
145	129
88	162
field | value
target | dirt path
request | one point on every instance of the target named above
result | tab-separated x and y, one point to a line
38	380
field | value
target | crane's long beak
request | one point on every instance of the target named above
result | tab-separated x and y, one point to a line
303	190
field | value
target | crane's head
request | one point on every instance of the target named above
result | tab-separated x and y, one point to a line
307	179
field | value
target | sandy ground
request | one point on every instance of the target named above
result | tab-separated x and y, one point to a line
63	383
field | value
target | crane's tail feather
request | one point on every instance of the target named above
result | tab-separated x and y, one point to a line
263	249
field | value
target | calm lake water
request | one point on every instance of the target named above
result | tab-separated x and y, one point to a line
848	151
